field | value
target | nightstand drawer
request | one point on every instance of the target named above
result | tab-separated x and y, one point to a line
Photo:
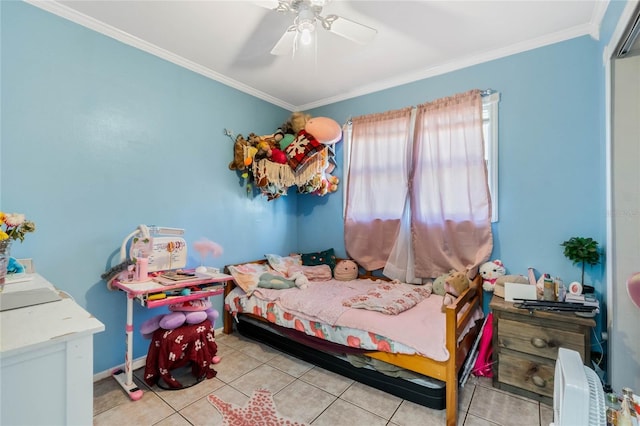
537	340
528	373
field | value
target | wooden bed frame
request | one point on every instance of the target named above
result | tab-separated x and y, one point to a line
446	371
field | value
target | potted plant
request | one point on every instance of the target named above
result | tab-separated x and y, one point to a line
582	250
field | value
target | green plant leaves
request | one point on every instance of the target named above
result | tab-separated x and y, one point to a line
579	250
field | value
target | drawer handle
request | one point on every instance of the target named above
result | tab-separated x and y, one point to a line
538	381
539	343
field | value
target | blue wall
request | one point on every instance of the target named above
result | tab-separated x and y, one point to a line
98	137
551	154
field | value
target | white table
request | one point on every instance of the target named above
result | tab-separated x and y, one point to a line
46	361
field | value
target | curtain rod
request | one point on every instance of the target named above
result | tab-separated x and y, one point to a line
483	93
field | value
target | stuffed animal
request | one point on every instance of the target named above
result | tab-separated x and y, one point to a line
278	282
296	122
454	284
278	156
324	129
14	267
345	270
438	285
490	271
264	150
286	141
189	312
239	153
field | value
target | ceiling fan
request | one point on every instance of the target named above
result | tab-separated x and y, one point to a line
307	15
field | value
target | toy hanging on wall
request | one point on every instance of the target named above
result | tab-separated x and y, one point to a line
299	153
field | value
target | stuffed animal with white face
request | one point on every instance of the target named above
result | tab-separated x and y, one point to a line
490	272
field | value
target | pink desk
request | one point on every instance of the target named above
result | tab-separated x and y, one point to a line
207	285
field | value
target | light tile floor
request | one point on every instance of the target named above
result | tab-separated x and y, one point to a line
302	392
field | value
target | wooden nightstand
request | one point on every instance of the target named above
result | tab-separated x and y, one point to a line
525	347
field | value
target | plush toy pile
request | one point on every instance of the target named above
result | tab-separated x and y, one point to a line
299	153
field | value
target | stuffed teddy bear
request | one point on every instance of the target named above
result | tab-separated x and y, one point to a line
454	284
490	271
296	122
239	146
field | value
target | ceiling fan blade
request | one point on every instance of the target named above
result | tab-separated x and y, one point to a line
284	46
267	4
352	30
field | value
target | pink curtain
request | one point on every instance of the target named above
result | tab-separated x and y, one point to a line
449	193
377	185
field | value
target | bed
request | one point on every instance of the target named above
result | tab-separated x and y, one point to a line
329	334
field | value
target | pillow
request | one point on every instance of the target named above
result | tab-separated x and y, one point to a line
313	273
302	149
283	263
268	280
326	257
247	275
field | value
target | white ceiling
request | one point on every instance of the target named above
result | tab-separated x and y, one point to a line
230	41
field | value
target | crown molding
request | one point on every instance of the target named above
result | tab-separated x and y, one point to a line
514	49
93	24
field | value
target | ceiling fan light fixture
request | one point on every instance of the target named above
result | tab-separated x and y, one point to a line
306	25
306	32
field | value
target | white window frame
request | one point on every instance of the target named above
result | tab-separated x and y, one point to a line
490	129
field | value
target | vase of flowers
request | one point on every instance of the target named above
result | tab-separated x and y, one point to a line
13	226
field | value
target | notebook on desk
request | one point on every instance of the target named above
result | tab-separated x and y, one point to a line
22	299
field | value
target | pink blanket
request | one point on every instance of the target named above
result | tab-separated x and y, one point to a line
312	302
421	327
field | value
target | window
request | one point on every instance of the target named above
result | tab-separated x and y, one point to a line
420	186
490	133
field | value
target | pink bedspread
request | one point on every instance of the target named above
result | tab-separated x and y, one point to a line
421	327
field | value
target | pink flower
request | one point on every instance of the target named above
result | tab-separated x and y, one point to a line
14	219
15	226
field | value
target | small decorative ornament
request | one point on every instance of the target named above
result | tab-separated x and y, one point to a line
206	247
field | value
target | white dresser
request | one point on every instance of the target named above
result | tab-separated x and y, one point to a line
46	361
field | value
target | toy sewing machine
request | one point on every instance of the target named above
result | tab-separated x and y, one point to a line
153	249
